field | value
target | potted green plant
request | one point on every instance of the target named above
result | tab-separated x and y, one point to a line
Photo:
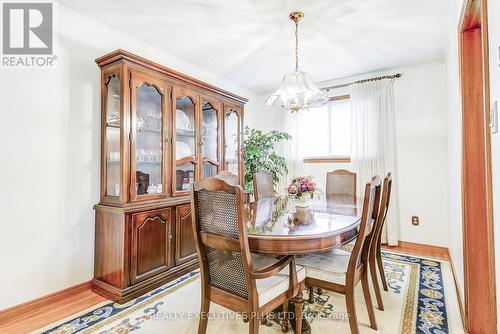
260	154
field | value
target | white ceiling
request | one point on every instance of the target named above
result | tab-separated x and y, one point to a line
250	42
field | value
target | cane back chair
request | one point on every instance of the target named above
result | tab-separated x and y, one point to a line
231	276
228	177
263	186
340	182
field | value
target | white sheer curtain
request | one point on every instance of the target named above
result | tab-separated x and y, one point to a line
293	148
373	144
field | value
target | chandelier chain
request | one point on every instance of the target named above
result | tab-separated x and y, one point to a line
296	45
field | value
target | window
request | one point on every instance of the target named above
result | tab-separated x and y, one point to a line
328	132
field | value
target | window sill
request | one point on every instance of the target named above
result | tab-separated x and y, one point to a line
327	160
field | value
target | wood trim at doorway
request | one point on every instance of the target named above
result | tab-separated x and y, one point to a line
477	212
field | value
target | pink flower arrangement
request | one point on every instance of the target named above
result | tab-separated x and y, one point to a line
302	185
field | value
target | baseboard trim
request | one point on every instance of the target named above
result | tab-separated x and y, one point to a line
33	305
459	294
421	249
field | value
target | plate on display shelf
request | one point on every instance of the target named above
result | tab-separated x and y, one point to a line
182	120
182	150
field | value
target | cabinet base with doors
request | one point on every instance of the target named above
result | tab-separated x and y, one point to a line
160	131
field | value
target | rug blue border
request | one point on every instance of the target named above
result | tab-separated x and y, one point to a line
91	318
431	314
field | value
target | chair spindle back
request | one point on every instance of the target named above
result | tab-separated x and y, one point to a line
371	205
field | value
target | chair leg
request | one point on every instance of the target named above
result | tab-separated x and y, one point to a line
298	303
381	267
205	307
311	294
284	321
263	319
253	324
368	300
376	287
351	309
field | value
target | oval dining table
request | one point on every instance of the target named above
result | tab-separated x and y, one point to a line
281	226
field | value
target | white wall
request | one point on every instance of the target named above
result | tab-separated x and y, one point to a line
454	116
494	62
50	157
421	139
421	135
261	117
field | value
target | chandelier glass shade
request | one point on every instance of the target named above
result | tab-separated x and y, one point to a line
298	90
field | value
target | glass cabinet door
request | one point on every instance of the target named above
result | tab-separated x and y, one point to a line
147	151
112	135
232	139
210	138
185	140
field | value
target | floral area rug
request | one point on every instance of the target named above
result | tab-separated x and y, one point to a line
421	299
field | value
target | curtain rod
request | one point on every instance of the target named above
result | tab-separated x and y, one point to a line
393	76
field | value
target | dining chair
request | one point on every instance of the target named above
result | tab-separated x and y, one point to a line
228	177
340	271
263	186
231	276
340	182
375	257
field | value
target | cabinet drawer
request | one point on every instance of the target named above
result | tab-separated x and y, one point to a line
185	248
151	244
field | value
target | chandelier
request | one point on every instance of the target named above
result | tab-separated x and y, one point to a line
298	90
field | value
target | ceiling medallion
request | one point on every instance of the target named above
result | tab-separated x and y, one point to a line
298	90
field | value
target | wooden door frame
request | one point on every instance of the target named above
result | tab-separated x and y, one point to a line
477	198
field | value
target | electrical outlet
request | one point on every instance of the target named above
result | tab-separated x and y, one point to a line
415	221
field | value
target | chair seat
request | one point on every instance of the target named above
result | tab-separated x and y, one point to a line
272	287
329	266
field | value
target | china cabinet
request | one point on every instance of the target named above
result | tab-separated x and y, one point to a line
160	131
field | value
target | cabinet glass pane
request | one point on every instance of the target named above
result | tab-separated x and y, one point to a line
184	176
209	170
184	128
148	151
209	132
231	139
113	137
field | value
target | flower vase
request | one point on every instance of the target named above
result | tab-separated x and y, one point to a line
292	203
303	201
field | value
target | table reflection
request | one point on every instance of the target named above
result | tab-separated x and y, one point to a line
279	217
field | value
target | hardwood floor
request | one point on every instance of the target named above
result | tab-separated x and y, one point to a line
52	312
83	300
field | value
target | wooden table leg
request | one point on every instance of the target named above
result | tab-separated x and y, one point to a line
302	327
